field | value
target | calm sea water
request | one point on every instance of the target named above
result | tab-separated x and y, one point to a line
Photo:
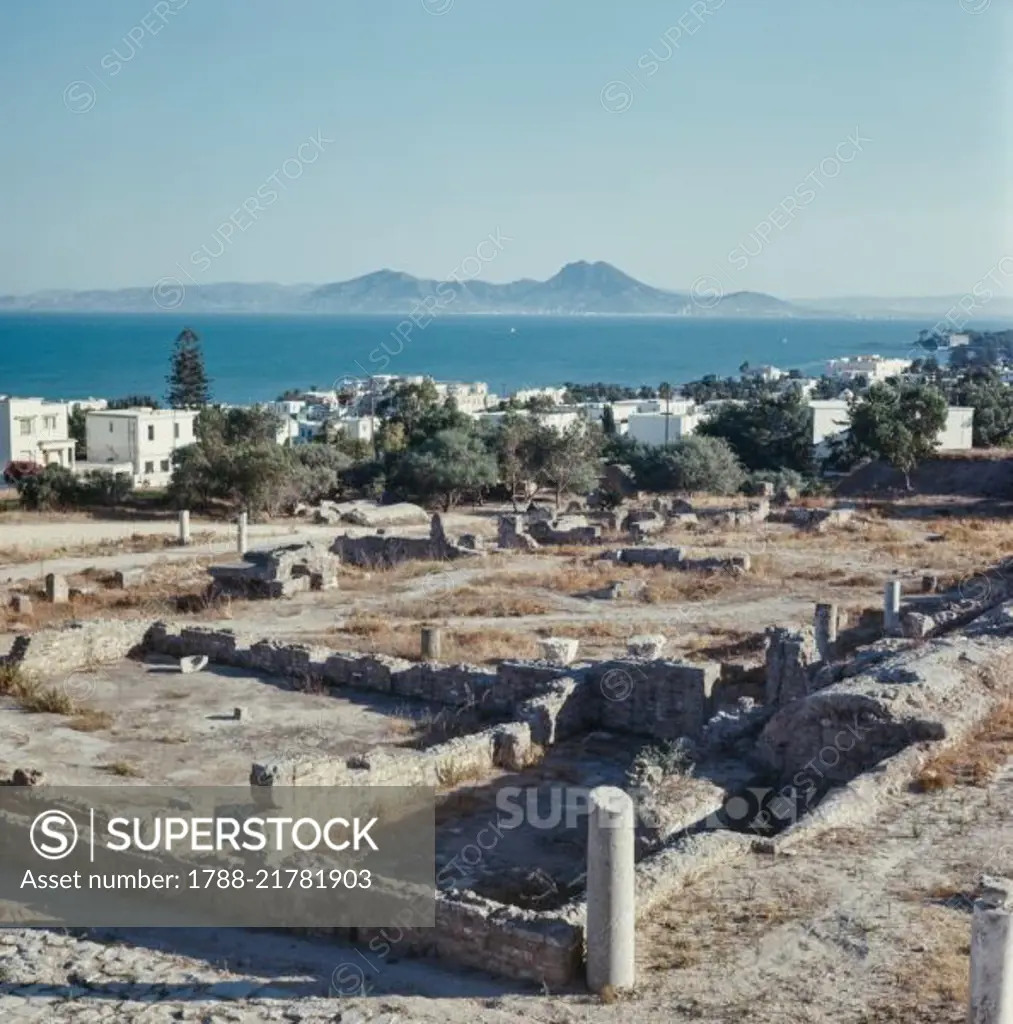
254	358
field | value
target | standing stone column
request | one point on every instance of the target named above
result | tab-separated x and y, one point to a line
611	890
184	527
891	608
992	954
243	539
431	643
825	628
57	591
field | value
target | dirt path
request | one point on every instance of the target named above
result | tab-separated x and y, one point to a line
863	926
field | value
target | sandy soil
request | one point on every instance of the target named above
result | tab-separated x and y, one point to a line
865	926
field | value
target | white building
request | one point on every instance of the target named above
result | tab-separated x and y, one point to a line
88	404
558	419
143	439
358	428
555	395
769	374
287	409
470	398
830	419
660	427
34	430
873	368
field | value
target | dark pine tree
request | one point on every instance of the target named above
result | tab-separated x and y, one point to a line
189	387
608	421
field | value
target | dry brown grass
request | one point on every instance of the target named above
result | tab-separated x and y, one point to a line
976	759
692	927
473	600
155	598
90	720
401	640
32	697
932	987
122	769
584	575
135	544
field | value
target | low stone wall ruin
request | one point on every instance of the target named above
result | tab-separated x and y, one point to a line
382	549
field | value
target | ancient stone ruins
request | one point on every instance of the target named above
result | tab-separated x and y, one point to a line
714	760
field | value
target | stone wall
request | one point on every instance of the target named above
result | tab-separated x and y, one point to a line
493	937
53	652
496	691
676	558
907	696
791	656
381	549
660	699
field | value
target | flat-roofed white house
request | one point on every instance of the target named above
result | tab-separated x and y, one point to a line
830	419
143	439
34	430
358	428
872	367
660	427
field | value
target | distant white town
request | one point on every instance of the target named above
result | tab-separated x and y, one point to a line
140	441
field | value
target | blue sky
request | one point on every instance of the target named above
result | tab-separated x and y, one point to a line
123	155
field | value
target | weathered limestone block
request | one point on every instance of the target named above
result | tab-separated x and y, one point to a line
647	645
790	656
281	572
123	578
513	746
565	530
559	650
513	534
564	709
57	590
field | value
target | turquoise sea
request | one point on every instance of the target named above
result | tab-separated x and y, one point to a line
254	358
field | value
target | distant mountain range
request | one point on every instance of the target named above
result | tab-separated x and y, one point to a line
579	289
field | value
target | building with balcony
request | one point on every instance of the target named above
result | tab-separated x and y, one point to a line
36	431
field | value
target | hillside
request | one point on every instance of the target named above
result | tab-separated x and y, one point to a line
578	289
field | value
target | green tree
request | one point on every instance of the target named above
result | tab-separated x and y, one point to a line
134	402
769	431
446	467
318	471
189	387
54	488
77	430
608	421
665	392
568	461
899	423
692	464
515	445
254	425
992	401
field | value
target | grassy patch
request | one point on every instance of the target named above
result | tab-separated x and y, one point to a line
472	600
90	720
123	769
975	760
32	697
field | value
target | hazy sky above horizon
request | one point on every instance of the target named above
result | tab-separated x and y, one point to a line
573	130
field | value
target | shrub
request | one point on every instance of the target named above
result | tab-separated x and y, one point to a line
690	464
